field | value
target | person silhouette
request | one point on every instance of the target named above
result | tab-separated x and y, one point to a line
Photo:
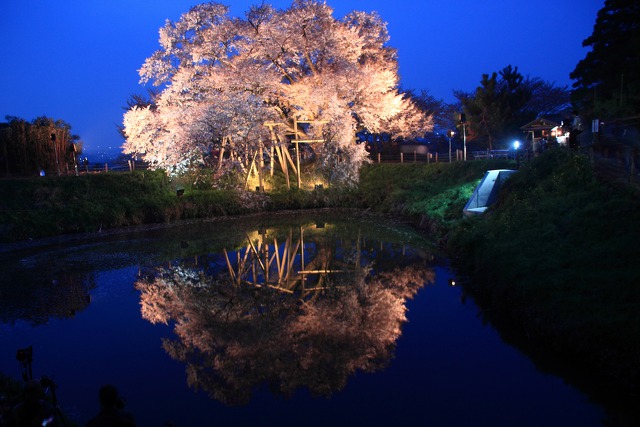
112	413
576	130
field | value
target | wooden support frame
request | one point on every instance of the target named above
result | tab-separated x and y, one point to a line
283	154
256	259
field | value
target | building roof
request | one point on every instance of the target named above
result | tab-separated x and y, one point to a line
539	124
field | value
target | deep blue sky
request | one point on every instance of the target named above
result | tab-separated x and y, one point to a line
78	60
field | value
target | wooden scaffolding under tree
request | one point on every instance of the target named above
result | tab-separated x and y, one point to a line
285	267
282	152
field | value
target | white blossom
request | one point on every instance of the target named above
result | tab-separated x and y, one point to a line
222	78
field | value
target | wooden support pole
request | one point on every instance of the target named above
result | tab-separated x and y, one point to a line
287	156
283	164
271	162
295	129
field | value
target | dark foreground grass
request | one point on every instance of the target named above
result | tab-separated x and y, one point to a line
557	261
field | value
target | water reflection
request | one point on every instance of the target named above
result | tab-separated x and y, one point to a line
291	307
42	291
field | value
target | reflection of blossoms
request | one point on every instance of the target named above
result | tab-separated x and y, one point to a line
234	338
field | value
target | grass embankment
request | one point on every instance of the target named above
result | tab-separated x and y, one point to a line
556	259
43	207
431	195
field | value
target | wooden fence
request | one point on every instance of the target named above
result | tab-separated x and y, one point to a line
456	156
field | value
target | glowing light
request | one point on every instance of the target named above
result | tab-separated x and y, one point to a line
516	144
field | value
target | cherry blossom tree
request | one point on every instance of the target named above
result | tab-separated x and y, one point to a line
224	78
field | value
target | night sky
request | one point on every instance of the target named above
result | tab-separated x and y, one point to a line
78	61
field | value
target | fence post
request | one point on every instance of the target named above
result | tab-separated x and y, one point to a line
401	157
106	167
415	156
378	158
436	157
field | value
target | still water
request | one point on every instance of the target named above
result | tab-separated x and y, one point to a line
322	319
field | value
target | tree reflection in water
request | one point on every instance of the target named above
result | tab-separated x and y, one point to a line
309	314
43	294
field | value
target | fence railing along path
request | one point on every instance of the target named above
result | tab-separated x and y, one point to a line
436	157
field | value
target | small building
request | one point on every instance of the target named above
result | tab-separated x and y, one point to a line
543	129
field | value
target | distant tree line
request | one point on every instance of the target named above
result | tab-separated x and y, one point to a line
606	86
43	144
505	101
607	80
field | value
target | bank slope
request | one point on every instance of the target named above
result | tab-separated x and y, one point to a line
556	259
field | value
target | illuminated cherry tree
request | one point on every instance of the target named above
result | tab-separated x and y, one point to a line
224	78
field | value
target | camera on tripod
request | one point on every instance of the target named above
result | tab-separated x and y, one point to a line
25	358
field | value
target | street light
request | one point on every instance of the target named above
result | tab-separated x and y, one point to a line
516	145
451	134
463	122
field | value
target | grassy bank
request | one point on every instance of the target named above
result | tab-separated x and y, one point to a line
555	262
432	194
41	207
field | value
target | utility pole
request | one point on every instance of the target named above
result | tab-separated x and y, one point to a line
463	122
55	149
464	140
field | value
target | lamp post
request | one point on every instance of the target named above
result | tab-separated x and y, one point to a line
464	140
451	134
463	122
516	146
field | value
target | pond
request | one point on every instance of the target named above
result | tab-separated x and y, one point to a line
290	320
